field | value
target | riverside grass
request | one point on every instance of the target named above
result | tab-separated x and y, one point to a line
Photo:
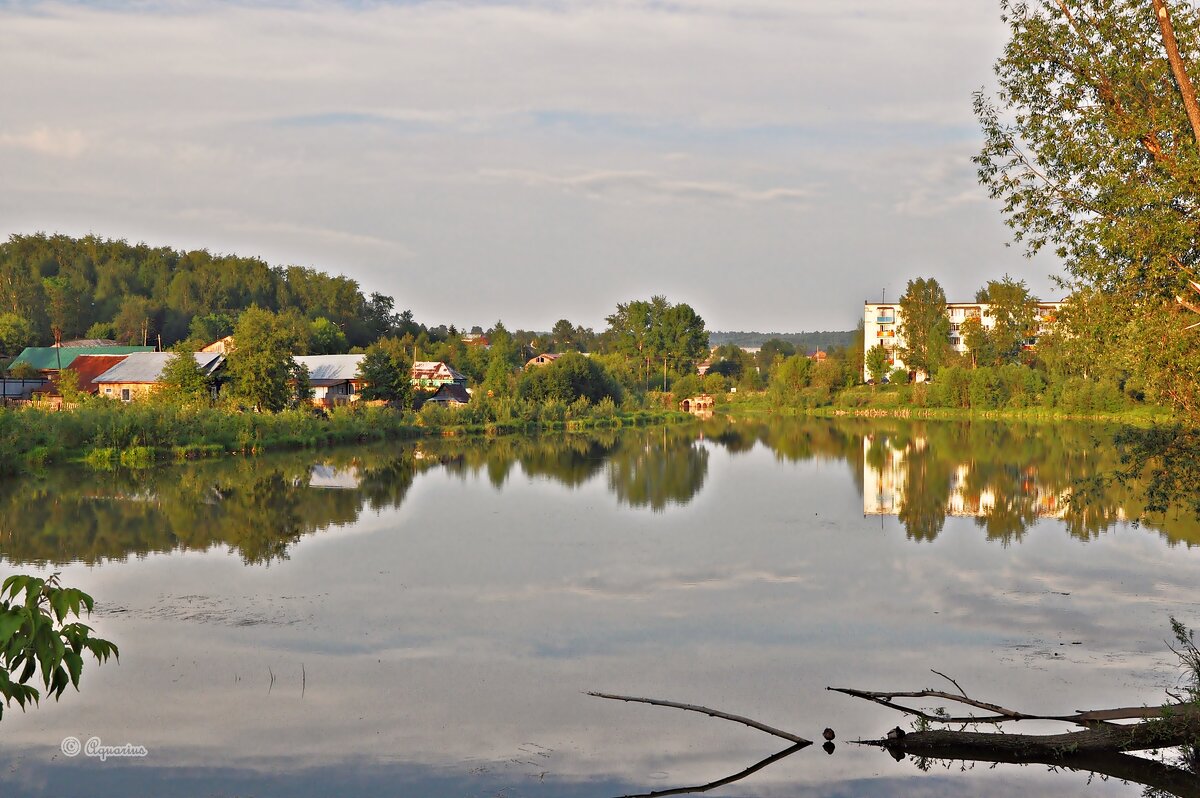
104	434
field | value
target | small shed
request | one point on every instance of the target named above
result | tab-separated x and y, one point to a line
698	405
450	394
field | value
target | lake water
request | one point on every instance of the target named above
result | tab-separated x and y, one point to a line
424	619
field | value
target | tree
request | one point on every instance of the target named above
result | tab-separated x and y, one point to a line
1091	146
260	366
877	363
16	333
773	349
182	379
386	369
326	338
1014	313
658	334
924	325
562	337
36	639
569	378
788	378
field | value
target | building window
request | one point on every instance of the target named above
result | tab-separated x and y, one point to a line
124	394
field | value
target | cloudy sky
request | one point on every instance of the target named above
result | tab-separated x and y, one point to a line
771	162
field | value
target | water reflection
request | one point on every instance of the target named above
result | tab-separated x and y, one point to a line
1006	477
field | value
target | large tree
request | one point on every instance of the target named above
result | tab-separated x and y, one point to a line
261	370
1014	314
657	332
924	325
386	368
1093	146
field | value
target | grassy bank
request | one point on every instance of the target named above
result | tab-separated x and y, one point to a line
897	402
103	433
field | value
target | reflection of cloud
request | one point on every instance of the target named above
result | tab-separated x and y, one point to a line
642	584
60	143
650	186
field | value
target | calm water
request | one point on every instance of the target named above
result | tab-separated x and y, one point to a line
423	620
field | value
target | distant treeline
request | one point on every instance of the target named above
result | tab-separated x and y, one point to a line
806	341
93	287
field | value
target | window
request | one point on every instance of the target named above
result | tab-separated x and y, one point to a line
124	394
108	391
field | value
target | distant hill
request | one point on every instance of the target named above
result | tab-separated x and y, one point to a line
809	341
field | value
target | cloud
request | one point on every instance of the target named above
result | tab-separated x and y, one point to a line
624	185
58	143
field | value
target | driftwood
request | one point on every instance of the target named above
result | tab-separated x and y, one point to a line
1099	747
1166	726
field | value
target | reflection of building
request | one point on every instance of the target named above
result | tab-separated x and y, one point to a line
331	477
881	325
885	475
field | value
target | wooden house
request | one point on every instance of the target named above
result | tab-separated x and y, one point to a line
138	374
428	375
334	378
543	359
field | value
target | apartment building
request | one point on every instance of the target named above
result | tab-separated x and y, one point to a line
881	323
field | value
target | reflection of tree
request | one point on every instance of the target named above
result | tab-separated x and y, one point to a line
657	468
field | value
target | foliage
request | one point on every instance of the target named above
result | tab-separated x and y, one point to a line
655	331
1090	150
16	333
772	350
788	378
138	291
36	639
260	366
924	326
326	338
183	379
386	369
68	386
877	363
1014	318
898	376
568	379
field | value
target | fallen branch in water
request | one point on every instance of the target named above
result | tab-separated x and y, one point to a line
1166	726
712	713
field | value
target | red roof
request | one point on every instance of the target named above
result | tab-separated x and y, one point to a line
89	367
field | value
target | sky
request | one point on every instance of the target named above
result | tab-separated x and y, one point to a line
773	163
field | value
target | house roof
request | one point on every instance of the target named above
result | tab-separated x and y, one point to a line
450	392
330	369
89	367
435	370
46	358
542	358
90	342
147	366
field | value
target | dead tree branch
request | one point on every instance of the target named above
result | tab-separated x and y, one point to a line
712	713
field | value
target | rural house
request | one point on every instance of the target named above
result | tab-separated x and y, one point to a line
138	374
334	378
428	375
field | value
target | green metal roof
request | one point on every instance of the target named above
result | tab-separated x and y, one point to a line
44	358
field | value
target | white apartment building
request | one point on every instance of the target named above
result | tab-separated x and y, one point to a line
881	324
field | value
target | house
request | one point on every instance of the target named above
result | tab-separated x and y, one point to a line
881	325
138	373
47	359
701	405
450	394
477	339
334	378
818	356
221	347
543	359
428	375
